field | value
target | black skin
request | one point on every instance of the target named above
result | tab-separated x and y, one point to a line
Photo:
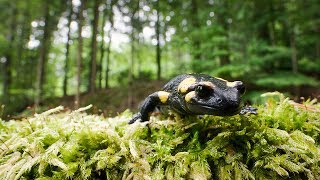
196	94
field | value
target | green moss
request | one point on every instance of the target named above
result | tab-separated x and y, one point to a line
281	142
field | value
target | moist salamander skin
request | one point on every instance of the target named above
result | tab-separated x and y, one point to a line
196	94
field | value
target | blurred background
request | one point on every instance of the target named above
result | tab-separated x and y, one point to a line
113	53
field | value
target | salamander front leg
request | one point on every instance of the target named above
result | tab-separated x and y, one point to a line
248	110
149	104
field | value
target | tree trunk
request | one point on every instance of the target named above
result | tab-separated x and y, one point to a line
221	18
272	24
317	46
109	49
44	49
131	63
294	61
21	50
102	48
158	50
93	62
79	55
26	78
7	76
196	44
131	68
66	66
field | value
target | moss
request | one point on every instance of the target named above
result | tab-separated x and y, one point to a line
281	142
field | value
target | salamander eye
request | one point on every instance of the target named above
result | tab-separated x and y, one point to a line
240	87
203	91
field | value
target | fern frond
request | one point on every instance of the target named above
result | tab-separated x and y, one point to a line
200	169
277	168
27	166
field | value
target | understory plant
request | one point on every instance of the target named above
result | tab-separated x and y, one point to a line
281	142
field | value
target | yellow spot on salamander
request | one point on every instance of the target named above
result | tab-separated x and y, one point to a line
229	84
163	96
221	79
189	96
232	84
185	84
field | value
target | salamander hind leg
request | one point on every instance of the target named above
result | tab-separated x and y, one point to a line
149	105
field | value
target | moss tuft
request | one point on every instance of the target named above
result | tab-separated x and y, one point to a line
281	142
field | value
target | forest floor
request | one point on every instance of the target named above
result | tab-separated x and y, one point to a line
112	101
108	102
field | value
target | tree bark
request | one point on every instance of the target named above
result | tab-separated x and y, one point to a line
79	55
21	50
7	76
66	65
93	62
44	49
109	49
131	63
272	24
196	44
158	49
221	17
131	68
294	61
102	49
317	46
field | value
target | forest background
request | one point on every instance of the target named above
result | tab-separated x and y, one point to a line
112	53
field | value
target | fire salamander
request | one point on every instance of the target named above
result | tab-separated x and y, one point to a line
196	94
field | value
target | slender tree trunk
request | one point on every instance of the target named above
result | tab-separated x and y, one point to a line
139	59
318	49
158	50
7	76
21	51
131	68
93	62
79	55
109	51
221	18
317	46
272	24
66	65
102	49
196	44
294	61
44	49
26	78
131	63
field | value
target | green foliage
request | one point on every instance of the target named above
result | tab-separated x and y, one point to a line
281	142
259	42
285	79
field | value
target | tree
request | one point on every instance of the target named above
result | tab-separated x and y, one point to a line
79	53
108	13
66	66
93	62
8	58
44	50
158	49
195	21
22	51
102	49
